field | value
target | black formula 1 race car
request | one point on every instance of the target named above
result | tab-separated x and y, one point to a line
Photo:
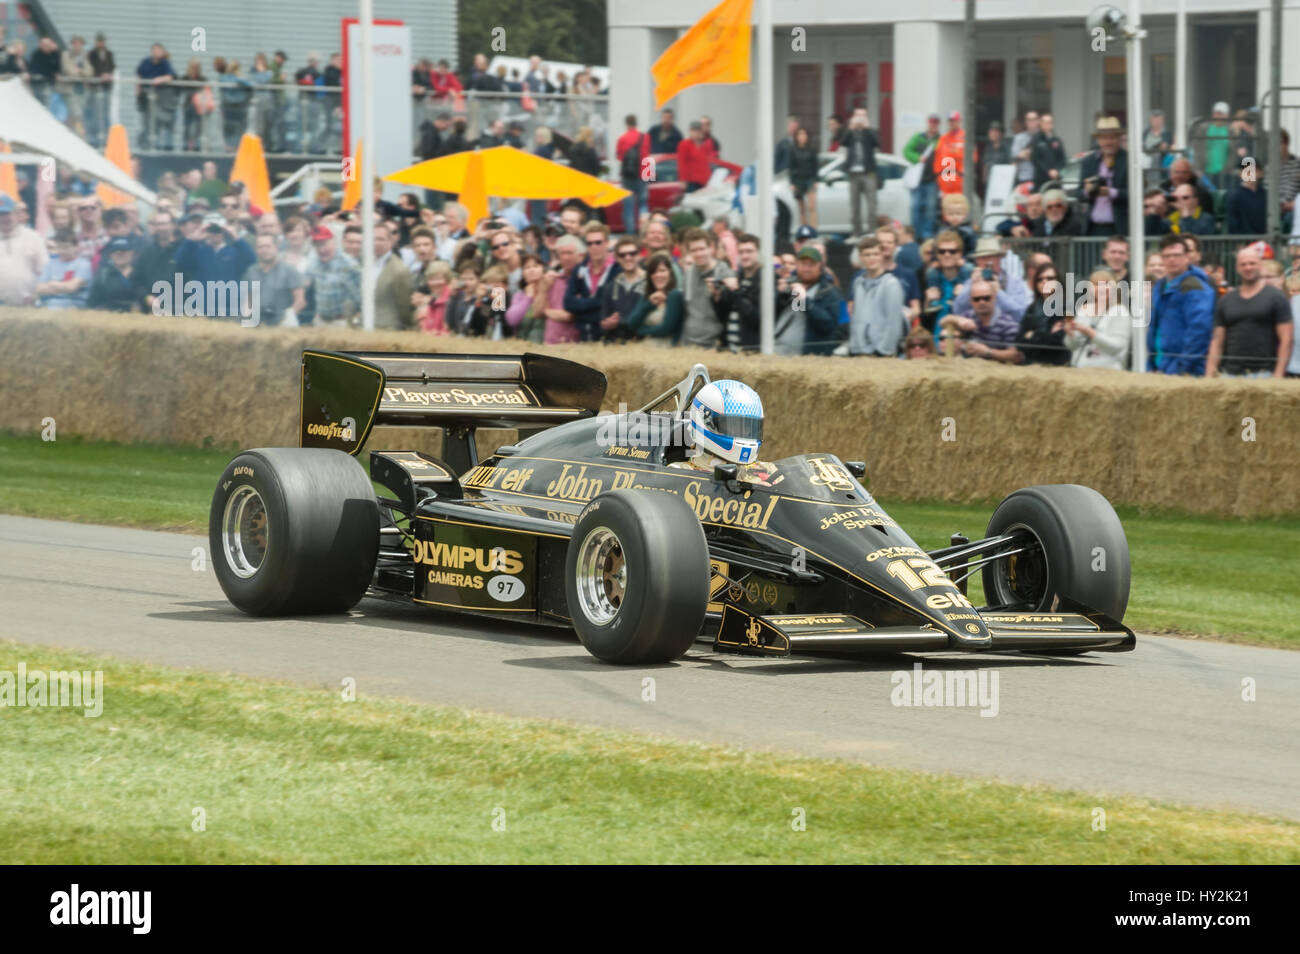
600	523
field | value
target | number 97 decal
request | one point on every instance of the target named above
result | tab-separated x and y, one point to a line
504	588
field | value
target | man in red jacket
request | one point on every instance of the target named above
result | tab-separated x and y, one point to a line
695	158
631	151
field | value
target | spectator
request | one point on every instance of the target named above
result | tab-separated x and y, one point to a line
946	279
332	78
90	227
1029	216
993	151
560	326
920	149
781	162
1181	172
1188	216
236	95
195	108
625	290
702	289
1058	218
1155	210
1182	313
1049	154
1293	248
115	287
878	315
429	300
65	280
1250	143
1005	271
1288	182
480	80
14	61
954	213
261	75
281	296
1097	334
456	216
707	125
219	257
1041	336
1292	288
582	154
950	157
1104	181
666	137
535	80
336	280
1022	149
861	142
834	132
888	237
102	66
443	83
156	112
695	157
803	176
918	344
1115	255
990	333
582	298
23	257
393	285
741	297
631	150
526	315
808	308
1248	205
504	251
156	261
43	68
459	315
1157	140
659	313
494	300
1252	326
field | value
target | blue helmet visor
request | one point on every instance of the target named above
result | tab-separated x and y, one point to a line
742	426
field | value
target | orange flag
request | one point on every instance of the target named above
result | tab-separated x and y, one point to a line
352	184
118	152
714	50
8	180
250	169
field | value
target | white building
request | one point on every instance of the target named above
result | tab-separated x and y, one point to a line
905	60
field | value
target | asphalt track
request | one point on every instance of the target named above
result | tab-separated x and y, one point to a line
1167	720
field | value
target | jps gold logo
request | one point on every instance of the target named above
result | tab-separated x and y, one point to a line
751	634
829	475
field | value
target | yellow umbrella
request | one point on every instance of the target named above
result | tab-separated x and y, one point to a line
250	169
117	151
506	172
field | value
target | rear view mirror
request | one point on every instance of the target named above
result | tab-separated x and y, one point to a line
857	468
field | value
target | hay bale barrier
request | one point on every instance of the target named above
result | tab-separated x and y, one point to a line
932	430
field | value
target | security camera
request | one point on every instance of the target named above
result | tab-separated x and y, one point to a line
1108	18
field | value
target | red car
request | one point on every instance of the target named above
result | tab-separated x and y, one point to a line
665	190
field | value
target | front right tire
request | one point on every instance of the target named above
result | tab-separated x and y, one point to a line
636	577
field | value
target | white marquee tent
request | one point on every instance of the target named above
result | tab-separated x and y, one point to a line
25	122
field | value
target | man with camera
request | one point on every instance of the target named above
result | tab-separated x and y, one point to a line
1104	185
990	332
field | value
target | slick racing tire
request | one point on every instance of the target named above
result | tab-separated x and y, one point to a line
1080	552
294	531
636	576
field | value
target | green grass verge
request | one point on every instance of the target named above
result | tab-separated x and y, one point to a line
1196	575
294	775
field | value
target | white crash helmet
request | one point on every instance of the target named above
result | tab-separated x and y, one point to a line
726	421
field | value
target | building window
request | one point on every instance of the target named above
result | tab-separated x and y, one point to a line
1162	86
1033	85
884	118
1114	93
990	94
850	91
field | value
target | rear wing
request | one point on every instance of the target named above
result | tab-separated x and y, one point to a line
344	394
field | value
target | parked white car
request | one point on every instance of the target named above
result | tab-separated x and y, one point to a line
833	212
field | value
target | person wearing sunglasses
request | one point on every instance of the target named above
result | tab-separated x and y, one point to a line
1058	217
1041	337
1188	216
582	298
625	290
990	333
945	279
503	250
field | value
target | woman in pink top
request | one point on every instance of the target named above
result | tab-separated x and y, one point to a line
438	279
570	250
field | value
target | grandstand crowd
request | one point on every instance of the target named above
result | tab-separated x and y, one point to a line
937	286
